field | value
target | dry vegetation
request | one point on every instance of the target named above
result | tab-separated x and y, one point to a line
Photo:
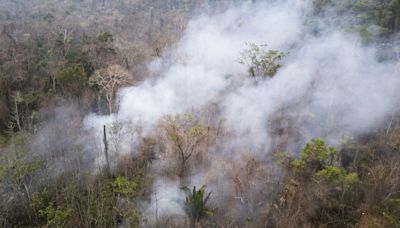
77	54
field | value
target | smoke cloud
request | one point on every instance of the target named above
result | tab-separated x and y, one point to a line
329	86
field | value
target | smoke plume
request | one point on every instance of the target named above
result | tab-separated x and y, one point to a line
330	85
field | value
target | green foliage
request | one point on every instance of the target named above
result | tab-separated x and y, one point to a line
75	56
19	166
322	193
18	169
316	150
104	37
196	130
40	200
391	211
72	79
261	62
374	20
103	45
195	203
298	165
337	176
49	211
318	158
315	155
361	193
56	216
125	186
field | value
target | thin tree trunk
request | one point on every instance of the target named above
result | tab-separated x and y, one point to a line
110	109
106	150
109	98
53	79
16	115
99	103
28	195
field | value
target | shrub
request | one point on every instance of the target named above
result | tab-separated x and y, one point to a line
125	186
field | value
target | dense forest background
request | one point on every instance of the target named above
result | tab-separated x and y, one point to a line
63	60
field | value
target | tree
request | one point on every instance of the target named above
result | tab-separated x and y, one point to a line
316	177
184	137
15	112
72	80
195	204
315	156
108	80
18	167
261	63
101	50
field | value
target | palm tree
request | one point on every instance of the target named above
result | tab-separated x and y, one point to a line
195	204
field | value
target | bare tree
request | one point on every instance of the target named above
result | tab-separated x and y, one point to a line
108	80
15	112
184	137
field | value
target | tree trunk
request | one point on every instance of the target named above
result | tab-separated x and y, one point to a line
28	195
109	98
106	151
53	79
109	105
99	103
16	115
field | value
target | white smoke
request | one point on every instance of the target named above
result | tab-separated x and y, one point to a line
336	85
165	201
204	64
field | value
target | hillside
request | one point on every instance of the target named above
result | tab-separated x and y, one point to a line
199	113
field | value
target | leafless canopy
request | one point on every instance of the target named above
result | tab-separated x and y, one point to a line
108	80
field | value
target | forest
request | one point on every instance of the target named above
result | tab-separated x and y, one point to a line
200	113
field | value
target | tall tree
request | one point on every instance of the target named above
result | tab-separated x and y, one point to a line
108	80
